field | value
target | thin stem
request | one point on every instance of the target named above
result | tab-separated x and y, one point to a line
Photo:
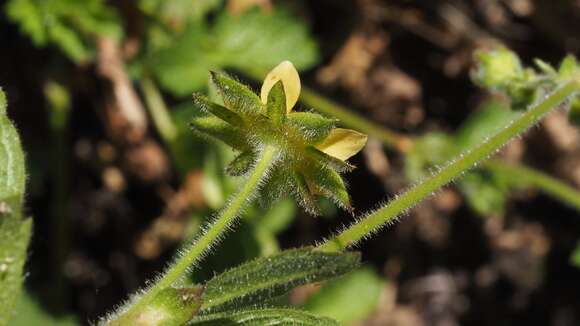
210	235
58	100
525	176
158	110
352	120
348	118
377	219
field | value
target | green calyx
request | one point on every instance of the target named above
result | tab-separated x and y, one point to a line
501	70
248	125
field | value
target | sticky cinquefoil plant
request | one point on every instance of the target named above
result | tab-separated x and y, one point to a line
310	152
281	152
302	153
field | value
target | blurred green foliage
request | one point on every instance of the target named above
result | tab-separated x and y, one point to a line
253	41
31	312
72	25
349	298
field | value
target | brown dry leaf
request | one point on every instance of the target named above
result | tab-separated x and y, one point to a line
130	115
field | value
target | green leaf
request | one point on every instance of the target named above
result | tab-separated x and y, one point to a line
30	312
237	96
428	152
314	127
258	41
273	317
176	13
242	163
349	298
276	106
182	66
488	120
14	229
12	167
253	41
68	24
30	18
268	277
484	192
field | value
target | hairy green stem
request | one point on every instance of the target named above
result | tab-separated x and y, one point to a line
372	222
519	175
208	238
158	110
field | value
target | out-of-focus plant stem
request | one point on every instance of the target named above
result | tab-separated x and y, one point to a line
158	110
58	100
519	175
350	119
373	221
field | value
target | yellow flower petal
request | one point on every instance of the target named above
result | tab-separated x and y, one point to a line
285	72
343	143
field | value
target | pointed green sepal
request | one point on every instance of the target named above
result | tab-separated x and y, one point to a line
568	66
544	66
275	188
276	106
269	277
314	127
327	182
219	111
237	96
305	198
242	163
215	128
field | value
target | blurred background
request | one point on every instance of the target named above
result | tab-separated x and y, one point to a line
100	91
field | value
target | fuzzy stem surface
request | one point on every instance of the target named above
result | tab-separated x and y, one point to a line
208	238
373	221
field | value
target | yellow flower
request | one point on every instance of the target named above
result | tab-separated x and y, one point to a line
340	143
311	151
